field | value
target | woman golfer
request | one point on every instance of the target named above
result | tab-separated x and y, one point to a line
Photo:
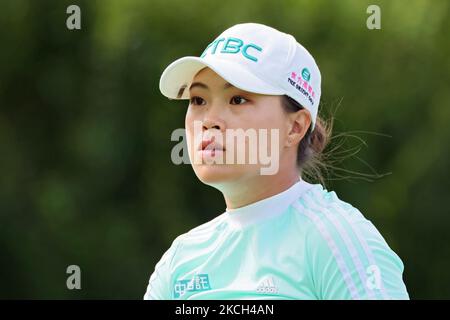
280	236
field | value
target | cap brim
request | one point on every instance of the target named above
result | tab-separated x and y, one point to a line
178	76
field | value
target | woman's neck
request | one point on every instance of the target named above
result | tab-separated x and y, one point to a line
257	188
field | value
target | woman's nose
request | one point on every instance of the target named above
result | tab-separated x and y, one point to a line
213	120
209	124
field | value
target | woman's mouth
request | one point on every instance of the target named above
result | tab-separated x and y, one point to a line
210	148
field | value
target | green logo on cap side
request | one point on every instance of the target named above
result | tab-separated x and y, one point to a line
306	75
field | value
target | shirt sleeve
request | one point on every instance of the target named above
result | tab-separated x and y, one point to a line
350	259
159	285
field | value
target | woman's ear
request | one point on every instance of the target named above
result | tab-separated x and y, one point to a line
299	123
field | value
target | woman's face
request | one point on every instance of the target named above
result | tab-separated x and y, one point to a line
218	106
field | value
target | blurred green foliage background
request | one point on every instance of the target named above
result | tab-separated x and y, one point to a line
86	175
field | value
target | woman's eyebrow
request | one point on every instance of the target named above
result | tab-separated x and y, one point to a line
204	86
228	85
198	84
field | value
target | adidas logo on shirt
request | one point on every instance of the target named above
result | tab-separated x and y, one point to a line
267	285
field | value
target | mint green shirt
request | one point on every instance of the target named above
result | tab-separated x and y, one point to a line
303	243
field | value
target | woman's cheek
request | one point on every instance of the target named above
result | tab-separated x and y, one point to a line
189	127
190	140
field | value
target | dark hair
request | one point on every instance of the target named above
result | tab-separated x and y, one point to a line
310	160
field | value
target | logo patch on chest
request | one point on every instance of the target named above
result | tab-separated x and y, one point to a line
200	282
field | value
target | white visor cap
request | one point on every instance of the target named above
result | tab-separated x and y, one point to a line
252	57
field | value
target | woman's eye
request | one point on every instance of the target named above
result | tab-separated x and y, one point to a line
238	100
197	101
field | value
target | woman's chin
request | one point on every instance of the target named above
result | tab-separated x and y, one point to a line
217	173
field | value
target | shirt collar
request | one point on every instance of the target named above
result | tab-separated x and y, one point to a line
266	208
